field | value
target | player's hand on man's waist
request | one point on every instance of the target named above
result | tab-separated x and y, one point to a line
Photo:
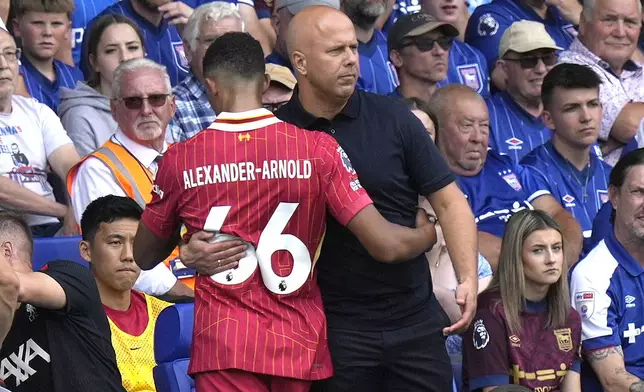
211	258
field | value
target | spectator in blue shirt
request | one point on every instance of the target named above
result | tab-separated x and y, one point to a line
526	54
285	10
419	47
467	65
377	74
208	22
43	26
495	186
566	165
488	23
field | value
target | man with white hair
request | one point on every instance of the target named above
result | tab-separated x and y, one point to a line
608	33
142	104
205	25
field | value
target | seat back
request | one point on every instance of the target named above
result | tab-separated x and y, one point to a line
56	248
172	339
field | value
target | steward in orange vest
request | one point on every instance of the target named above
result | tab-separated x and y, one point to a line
134	179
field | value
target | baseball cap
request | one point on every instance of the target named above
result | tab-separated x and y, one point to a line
413	25
295	6
525	36
281	75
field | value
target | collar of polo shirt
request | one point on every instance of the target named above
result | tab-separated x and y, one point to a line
306	119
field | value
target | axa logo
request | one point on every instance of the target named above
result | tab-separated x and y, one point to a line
514	143
630	301
18	364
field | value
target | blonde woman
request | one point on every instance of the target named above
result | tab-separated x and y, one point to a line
525	331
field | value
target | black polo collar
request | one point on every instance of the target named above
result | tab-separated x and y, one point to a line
294	112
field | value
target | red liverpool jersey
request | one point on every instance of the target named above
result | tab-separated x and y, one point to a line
252	176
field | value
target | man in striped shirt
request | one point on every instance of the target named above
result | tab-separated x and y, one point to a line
377	74
261	326
526	54
567	165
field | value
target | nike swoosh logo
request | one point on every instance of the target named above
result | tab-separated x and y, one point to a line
134	348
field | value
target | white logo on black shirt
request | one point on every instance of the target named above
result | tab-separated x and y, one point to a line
32	312
17	364
480	337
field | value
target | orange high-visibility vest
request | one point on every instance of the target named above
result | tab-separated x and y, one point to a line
134	180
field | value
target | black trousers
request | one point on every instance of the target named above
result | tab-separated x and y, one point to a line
409	359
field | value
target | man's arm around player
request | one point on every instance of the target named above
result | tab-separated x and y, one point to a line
385	241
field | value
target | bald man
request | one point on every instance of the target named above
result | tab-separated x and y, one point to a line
385	327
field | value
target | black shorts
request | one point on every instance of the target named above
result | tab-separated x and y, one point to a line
409	359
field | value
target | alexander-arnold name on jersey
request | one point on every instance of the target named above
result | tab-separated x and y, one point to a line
246	171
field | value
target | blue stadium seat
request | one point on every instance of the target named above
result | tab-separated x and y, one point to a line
56	248
172	338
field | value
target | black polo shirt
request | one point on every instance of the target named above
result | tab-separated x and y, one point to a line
396	160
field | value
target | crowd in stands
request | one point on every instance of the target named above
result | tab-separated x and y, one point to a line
356	195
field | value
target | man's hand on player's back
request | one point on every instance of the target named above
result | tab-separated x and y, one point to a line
211	258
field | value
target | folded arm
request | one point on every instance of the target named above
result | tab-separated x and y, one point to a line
388	242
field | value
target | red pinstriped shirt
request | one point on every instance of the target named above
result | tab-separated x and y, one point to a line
252	176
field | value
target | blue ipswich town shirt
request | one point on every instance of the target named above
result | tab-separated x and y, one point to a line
607	289
466	66
84	12
41	88
162	44
488	22
501	189
377	74
553	172
514	131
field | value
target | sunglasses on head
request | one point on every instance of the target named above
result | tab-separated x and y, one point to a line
529	62
427	44
154	100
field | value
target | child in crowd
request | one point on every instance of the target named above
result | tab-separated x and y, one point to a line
42	26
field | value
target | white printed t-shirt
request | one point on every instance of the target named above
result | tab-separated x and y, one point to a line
28	137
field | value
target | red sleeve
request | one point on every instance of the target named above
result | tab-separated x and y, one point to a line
345	196
161	215
485	350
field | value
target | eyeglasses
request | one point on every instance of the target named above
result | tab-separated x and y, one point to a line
11	55
427	44
273	106
532	61
135	103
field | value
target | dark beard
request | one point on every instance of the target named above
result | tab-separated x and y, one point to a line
364	22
